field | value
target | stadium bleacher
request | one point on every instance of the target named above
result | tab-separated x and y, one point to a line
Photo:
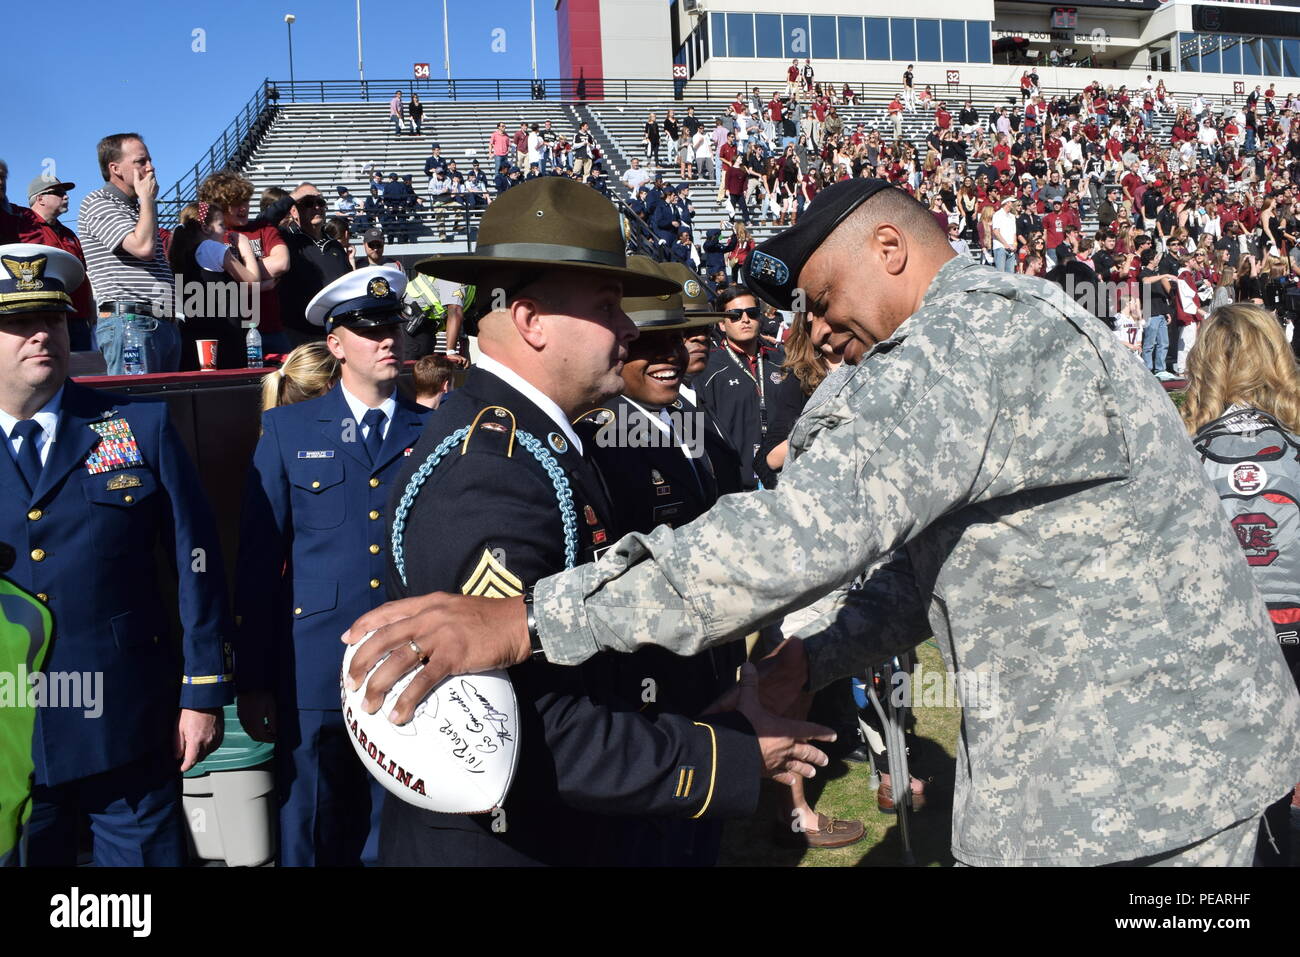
335	144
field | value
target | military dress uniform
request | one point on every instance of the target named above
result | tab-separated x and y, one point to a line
313	559
728	472
96	483
498	493
1058	537
667	480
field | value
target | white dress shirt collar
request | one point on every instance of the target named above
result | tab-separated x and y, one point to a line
359	409
535	395
48	418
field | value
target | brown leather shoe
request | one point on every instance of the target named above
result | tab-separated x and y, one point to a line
834	833
885	795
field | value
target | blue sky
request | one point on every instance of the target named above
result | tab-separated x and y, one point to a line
97	68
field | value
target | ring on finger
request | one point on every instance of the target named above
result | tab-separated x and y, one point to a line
420	655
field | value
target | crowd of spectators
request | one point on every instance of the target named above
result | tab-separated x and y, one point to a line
1150	207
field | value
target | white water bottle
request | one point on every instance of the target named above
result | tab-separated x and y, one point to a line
253	346
132	348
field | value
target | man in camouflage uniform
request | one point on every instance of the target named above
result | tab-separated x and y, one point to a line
1055	531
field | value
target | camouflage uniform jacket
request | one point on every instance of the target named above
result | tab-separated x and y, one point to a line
1050	524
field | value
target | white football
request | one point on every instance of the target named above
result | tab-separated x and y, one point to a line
457	755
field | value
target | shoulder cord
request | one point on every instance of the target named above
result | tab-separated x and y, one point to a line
563	494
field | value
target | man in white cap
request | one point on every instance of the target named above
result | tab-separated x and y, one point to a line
92	485
315	507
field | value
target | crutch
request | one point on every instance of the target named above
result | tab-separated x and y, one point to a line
891	722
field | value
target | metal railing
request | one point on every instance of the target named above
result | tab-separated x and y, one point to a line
229	150
449	221
587	90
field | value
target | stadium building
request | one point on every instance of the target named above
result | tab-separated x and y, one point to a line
979	42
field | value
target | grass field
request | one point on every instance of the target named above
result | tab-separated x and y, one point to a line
844	790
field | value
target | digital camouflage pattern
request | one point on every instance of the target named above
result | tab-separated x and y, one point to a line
1050	523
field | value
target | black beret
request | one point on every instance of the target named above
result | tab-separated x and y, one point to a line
772	269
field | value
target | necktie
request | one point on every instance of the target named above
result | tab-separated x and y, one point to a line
677	440
28	456
374	420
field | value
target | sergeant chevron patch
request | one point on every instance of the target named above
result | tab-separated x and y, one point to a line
491	579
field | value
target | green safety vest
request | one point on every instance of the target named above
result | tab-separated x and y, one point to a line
25	630
424	293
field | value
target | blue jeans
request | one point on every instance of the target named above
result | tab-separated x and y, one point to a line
1155	343
161	343
1004	260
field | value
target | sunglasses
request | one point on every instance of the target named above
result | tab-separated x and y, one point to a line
754	312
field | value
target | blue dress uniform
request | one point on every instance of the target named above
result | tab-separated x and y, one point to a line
724	460
313	558
662	219
117	482
510	500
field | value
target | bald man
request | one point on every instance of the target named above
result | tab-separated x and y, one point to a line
1053	530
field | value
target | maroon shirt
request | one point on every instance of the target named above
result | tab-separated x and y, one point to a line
264	238
33	229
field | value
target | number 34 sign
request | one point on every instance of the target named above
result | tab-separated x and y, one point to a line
422	71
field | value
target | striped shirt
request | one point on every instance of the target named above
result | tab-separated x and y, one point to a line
106	218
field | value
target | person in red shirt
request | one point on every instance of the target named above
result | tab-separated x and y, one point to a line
1249	216
1070	213
1053	230
821	106
774	112
895	110
1002	156
231	193
49	200
1005	186
792	77
1133	185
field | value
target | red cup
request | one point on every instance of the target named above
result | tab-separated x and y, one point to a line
207	354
